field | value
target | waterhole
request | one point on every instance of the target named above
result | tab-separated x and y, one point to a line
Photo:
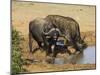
86	57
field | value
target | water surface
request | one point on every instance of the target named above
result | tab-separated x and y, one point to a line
87	57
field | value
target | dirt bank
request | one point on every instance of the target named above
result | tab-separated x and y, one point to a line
40	67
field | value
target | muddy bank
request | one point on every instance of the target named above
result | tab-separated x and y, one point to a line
90	37
40	67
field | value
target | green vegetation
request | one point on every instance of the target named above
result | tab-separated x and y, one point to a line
16	64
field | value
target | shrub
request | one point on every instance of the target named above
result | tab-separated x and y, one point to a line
16	62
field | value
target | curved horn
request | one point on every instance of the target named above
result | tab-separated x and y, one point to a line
58	30
47	33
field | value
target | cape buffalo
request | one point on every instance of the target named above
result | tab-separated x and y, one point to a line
65	25
38	30
70	28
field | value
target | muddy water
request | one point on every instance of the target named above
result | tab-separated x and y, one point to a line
86	57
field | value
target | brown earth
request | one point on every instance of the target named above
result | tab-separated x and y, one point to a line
24	12
40	67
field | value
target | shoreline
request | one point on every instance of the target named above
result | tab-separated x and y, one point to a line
65	67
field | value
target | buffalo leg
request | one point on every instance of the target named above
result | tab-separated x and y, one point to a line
54	56
48	52
35	50
30	41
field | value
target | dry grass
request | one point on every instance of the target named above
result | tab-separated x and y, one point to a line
24	12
